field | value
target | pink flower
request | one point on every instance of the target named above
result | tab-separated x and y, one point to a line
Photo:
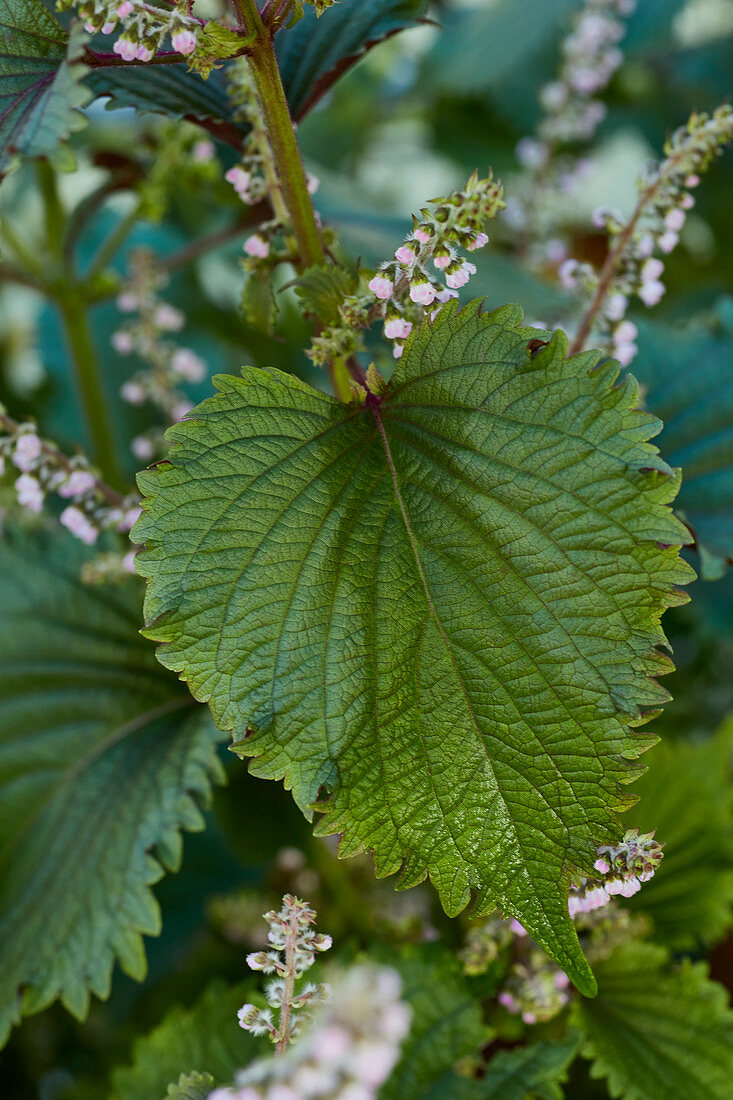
692	181
181	409
675	219
238	178
478	241
130	518
687	202
381	286
132	393
203	151
622	334
30	493
645	245
124	9
127	302
78	484
457	278
184	42
144	53
616	306
126	49
442	261
421	234
423	293
568	274
168	318
397	350
507	1001
312	183
397	328
372	1062
668	241
128	562
27	451
517	929
651	293
330	1044
530	152
406	255
188	365
625	352
257	246
561	980
122	342
89	27
630	887
529	1018
108	27
651	270
75	521
142	448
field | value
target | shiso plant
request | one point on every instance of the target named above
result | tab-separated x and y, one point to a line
410	561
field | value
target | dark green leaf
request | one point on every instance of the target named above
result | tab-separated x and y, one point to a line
686	797
100	759
207	1035
39	89
689	382
441	617
315	52
656	1031
537	1070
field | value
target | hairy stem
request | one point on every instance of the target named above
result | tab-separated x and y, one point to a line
285	154
608	271
283	1034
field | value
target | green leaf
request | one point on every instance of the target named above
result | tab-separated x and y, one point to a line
40	91
165	89
206	1035
657	1032
101	760
322	289
191	1086
689	385
439	613
446	1024
686	797
537	1070
315	52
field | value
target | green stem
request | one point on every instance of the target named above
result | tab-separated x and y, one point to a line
52	208
285	154
72	308
111	246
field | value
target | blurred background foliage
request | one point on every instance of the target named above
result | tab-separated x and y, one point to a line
411	121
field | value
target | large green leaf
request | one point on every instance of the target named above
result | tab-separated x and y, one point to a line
689	382
205	1037
316	51
537	1070
165	89
687	798
101	756
39	90
657	1032
439	613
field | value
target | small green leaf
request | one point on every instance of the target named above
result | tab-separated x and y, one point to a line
436	618
322	289
40	91
206	1035
656	1031
259	305
191	1086
686	797
102	763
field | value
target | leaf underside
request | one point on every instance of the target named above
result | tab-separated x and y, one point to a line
441	615
103	760
39	90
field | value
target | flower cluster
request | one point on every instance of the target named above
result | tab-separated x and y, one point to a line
535	989
484	944
348	1053
591	56
293	946
143	26
145	335
428	269
571	114
632	268
622	868
90	506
